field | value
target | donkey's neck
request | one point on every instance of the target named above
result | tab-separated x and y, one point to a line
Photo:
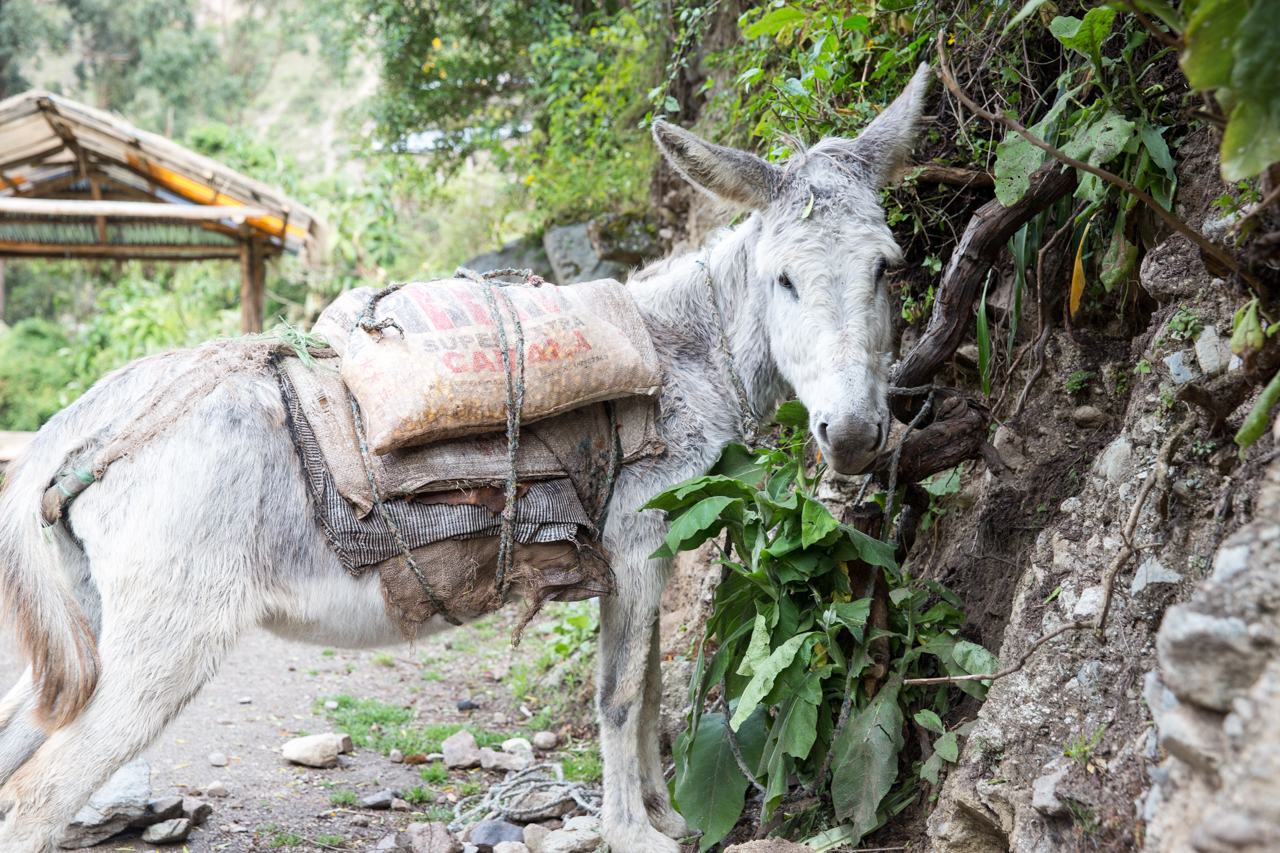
702	411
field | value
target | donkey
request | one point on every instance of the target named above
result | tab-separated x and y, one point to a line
128	605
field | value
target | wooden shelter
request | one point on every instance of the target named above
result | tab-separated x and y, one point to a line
77	182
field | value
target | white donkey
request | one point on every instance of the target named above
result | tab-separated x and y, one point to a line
128	605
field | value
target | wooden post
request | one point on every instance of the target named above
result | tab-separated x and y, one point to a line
96	189
253	291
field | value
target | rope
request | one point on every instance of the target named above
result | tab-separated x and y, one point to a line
750	423
615	464
499	802
893	464
366	322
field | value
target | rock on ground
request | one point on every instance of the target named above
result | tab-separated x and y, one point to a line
313	750
114	807
510	847
489	833
505	761
460	751
580	835
573	259
196	811
432	838
546	741
769	845
167	832
534	835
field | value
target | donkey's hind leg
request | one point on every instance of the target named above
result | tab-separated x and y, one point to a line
153	661
20	734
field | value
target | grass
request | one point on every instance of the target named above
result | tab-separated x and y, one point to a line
432	675
434	774
383	659
414	796
1080	748
382	727
343	798
472	787
583	765
439	813
332	839
328	653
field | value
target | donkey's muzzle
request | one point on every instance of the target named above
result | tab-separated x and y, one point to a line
849	442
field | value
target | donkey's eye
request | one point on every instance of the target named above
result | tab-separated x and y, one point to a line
785	281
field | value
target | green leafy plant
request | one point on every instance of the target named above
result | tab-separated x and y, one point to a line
1080	748
383	659
790	637
1079	382
343	798
434	774
1185	325
938	487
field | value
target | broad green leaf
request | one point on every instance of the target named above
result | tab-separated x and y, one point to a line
932	768
762	681
816	522
1102	140
1251	141
696	526
840	836
871	550
931	721
793	414
1118	261
695	489
865	764
853	614
775	22
1158	148
710	790
974	659
758	648
800	728
1256	423
1207	57
948	746
1256	74
738	462
1085	36
1016	158
1155	8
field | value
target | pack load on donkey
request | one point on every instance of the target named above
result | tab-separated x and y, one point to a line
394	422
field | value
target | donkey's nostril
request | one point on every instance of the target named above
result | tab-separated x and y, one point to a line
820	429
879	436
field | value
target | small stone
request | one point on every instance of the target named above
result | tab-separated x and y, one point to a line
432	838
396	756
360	820
489	833
1152	572
167	832
506	762
226	721
572	841
313	751
113	807
534	834
460	750
546	804
216	789
395	842
344	743
1089	604
1044	791
1071	506
399	805
1178	368
546	740
510	847
166	808
331	705
1212	352
517	746
434	756
1088	417
245	700
196	811
467	705
380	800
218	759
583	822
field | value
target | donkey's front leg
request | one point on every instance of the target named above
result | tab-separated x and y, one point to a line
628	623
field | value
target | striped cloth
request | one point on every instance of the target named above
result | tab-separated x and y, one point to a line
549	511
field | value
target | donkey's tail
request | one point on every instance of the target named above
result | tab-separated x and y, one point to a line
37	593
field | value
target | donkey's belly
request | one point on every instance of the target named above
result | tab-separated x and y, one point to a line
335	609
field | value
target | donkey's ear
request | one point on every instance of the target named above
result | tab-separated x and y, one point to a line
880	152
731	175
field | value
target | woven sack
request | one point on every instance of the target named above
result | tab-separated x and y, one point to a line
553	448
440	373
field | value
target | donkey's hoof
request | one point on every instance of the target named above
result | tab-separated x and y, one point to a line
671	824
639	839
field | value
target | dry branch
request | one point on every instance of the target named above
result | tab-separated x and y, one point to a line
1211	251
958	432
936	173
986	234
1007	671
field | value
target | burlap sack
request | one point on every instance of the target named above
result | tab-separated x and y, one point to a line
461	573
443	377
552	448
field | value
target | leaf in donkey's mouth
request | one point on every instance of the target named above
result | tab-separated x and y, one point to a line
808	208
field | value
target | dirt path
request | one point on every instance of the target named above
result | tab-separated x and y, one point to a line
268	798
